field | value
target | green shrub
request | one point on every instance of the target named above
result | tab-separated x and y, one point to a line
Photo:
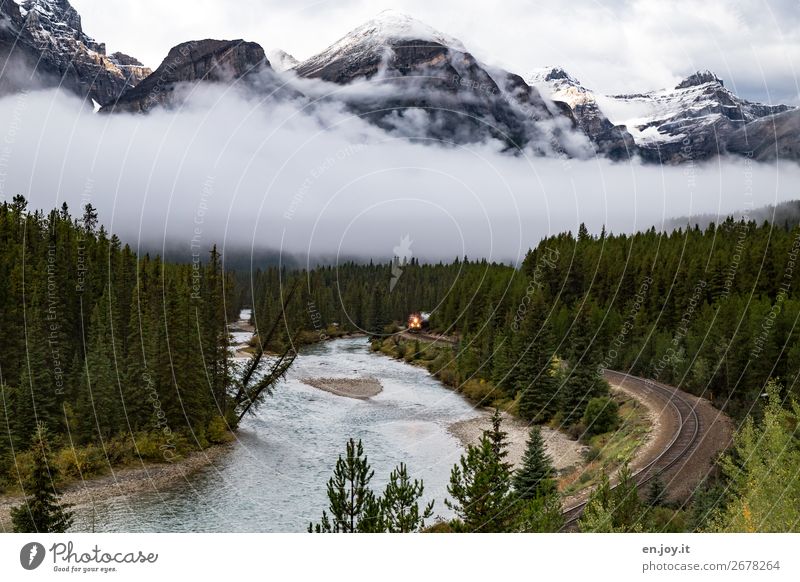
592	453
119	449
80	462
576	431
441	526
218	432
447	376
478	390
601	416
21	468
155	446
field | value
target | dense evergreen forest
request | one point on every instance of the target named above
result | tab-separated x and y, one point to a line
711	310
115	355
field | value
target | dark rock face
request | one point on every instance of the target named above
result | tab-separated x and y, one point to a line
613	141
770	138
699	78
44	45
409	78
19	56
192	62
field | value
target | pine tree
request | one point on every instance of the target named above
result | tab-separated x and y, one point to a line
100	406
400	503
41	512
534	478
349	495
584	381
542	514
763	486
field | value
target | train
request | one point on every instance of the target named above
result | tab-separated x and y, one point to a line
419	321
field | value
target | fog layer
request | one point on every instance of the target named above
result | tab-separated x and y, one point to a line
242	172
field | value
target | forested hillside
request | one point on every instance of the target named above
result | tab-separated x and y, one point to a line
712	310
101	345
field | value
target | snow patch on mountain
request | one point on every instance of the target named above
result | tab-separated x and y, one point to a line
560	86
281	60
669	115
375	36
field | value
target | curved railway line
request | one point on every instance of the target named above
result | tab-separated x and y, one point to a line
683	444
701	432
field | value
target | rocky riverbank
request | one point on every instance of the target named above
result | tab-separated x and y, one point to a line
125	481
565	452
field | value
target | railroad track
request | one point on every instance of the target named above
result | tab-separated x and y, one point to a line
681	446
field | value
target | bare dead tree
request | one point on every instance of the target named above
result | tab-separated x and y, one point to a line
251	388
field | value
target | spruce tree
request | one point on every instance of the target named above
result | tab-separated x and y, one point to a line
536	380
656	493
41	512
480	485
499	438
584	381
542	514
534	478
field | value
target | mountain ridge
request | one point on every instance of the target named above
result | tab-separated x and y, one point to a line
413	81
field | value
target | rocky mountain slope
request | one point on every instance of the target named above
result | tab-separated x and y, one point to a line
188	63
692	121
769	138
42	44
410	78
612	140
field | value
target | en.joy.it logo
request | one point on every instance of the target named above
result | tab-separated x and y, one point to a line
31	555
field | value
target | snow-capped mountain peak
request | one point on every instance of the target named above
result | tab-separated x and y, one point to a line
700	78
372	39
392	25
559	85
554	75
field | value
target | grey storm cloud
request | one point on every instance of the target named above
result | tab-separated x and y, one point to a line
232	169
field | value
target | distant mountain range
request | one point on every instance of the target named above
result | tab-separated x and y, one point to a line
411	80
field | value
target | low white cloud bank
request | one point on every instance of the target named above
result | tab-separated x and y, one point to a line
229	170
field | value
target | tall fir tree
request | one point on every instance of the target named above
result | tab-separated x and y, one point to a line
537	383
535	476
41	512
480	487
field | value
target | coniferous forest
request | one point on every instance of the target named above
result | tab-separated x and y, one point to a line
116	356
109	356
711	310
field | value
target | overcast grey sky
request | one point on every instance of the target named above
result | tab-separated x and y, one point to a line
611	46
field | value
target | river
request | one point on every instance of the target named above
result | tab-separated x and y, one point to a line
274	477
